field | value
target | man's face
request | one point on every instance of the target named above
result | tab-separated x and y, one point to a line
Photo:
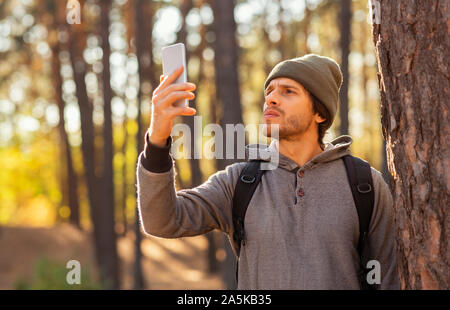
290	106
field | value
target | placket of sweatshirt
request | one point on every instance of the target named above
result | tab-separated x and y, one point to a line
301	173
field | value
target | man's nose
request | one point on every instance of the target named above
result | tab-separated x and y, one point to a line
272	100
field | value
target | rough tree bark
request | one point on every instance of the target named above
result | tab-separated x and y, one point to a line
412	44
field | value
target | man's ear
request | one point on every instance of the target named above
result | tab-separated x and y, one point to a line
319	119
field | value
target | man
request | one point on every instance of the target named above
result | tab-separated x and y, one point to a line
301	224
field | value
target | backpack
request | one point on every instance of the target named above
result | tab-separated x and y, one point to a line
361	184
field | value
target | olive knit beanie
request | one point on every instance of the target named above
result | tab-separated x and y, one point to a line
319	75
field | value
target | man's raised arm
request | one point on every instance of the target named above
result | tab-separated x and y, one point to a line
165	212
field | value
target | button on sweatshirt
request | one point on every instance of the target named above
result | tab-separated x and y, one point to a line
301	225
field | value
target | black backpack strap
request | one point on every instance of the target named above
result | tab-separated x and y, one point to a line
243	193
360	179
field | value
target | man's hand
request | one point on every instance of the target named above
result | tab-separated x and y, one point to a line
163	108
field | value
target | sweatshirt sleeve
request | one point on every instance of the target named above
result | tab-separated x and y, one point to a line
165	212
381	238
154	158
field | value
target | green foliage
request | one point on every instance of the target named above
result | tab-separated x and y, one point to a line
51	275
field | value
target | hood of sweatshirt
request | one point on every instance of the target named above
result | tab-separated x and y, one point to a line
335	149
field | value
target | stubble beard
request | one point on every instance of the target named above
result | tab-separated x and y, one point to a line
294	126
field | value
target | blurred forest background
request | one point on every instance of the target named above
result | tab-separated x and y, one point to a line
75	104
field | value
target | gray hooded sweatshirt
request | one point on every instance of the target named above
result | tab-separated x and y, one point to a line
301	225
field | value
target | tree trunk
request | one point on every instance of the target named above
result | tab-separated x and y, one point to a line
124	178
306	27
384	164
143	12
107	235
196	175
138	277
213	264
228	95
285	34
268	45
345	18
213	245
76	46
70	177
226	67
412	46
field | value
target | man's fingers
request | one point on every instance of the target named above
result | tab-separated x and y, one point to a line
169	80
174	87
175	111
172	98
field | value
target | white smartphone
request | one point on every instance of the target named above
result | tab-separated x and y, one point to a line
173	57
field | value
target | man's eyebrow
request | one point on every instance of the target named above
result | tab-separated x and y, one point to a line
270	87
288	86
